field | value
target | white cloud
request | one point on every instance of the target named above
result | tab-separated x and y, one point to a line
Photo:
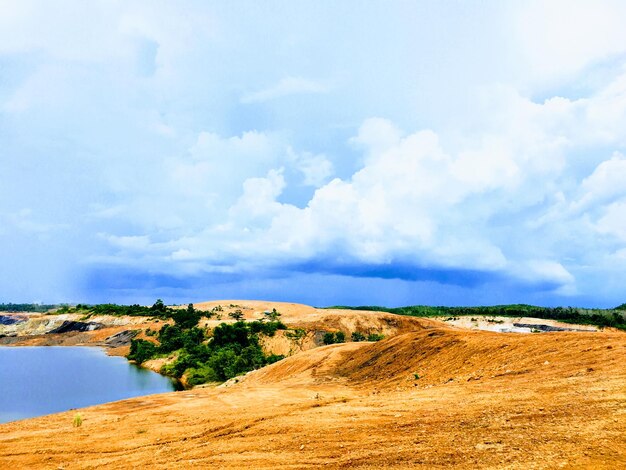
130	116
258	201
501	201
414	202
613	221
316	169
559	38
285	87
605	183
137	242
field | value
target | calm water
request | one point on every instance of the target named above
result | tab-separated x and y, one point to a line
36	381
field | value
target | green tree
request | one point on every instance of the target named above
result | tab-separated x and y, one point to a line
329	338
141	350
357	336
273	315
236	315
158	306
186	318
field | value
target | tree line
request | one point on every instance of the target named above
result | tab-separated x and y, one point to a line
600	317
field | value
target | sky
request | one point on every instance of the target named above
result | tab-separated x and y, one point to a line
360	153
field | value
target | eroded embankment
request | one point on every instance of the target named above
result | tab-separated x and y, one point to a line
440	355
306	324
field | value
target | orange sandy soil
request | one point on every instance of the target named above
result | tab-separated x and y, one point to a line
483	399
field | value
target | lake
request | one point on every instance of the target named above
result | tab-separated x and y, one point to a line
36	381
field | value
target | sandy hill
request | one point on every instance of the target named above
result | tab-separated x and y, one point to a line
479	399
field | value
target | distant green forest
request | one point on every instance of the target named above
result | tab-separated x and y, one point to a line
11	307
615	317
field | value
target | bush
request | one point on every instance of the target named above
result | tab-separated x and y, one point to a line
296	334
357	337
200	375
173	337
236	315
273	315
141	350
272	358
186	318
329	338
267	328
226	334
333	338
375	337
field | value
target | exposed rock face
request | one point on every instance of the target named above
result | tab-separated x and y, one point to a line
121	339
10	319
69	325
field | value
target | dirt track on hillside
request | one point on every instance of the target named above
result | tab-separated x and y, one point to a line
482	399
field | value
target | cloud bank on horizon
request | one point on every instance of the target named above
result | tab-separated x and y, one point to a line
380	153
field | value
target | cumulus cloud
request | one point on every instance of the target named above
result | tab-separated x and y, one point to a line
316	169
131	127
479	207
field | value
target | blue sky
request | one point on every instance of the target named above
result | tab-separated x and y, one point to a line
392	152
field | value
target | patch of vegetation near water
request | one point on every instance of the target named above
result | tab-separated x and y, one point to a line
205	355
599	317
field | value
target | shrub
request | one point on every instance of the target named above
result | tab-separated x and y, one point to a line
375	337
329	338
158	307
272	358
236	315
357	337
268	328
173	337
333	338
186	318
78	420
296	334
141	350
225	334
273	315
200	375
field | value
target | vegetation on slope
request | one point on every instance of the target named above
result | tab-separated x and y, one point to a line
204	356
158	309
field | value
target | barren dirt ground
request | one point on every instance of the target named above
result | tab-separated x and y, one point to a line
482	399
